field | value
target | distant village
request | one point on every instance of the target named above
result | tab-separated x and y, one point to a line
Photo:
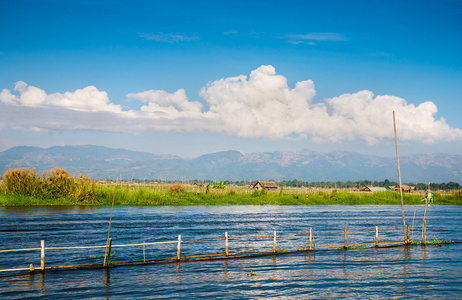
274	186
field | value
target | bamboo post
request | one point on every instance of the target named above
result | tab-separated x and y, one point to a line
311	237
424	229
274	243
376	236
179	247
109	251
408	233
314	242
399	176
345	245
226	243
42	255
424	240
110	222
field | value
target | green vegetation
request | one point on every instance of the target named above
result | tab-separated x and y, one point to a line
438	243
355	247
23	187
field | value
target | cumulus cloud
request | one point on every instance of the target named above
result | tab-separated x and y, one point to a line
167	105
259	105
87	99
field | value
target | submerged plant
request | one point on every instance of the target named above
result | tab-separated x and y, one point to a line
354	247
438	243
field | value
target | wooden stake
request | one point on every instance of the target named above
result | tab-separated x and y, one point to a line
109	251
399	176
345	237
110	221
314	242
274	243
311	237
179	247
42	255
226	243
376	236
424	232
408	233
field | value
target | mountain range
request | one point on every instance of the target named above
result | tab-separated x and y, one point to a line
101	163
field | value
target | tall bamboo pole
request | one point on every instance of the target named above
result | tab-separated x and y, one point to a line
399	176
109	230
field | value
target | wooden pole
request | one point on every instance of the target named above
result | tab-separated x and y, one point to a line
42	255
426	204
311	237
274	243
314	242
399	176
226	243
144	252
424	232
345	245
408	233
110	222
376	236
109	251
179	247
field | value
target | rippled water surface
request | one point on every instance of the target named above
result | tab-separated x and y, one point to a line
406	271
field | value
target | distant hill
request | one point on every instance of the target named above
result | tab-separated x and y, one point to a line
102	163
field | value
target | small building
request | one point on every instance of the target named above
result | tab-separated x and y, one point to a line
405	188
365	188
268	185
370	188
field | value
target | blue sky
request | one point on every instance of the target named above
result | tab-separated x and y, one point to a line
194	77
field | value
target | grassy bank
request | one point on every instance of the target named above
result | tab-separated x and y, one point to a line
23	187
127	195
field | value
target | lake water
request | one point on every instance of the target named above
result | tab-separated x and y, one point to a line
401	272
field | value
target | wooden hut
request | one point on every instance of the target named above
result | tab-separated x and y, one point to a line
405	188
370	188
268	185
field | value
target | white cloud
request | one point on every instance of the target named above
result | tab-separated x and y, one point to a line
230	32
313	37
169	37
87	99
259	105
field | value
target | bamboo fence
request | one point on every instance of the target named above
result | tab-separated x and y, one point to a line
371	240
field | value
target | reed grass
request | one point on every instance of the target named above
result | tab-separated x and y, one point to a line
24	187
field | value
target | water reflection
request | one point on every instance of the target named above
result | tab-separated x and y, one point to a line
225	269
178	273
345	265
364	273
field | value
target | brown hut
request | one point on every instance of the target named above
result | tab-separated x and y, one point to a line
405	188
268	185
